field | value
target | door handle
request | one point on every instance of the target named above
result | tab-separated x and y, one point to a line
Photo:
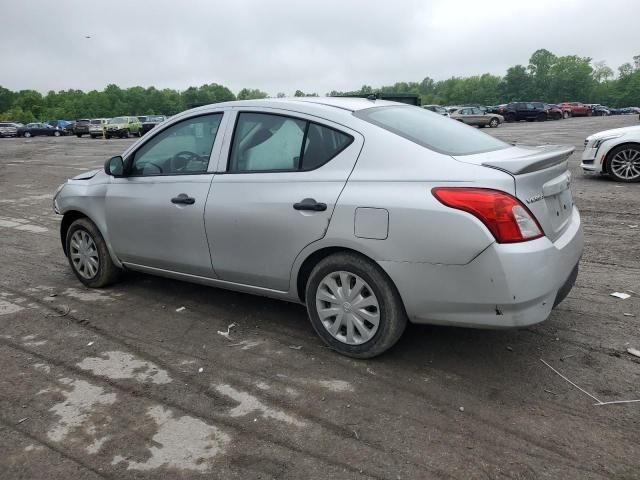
183	199
310	204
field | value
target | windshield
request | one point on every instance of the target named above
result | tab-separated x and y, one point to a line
430	130
118	120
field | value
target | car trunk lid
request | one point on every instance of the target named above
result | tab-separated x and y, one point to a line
542	181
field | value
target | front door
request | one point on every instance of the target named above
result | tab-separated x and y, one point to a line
281	182
155	213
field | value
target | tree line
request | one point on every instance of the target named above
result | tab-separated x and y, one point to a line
547	77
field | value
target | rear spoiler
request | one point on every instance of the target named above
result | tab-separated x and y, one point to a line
539	159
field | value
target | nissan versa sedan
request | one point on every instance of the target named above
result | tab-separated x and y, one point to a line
371	213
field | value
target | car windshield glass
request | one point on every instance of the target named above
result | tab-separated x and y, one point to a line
118	120
434	132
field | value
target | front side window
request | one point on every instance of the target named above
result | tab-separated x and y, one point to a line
266	142
182	149
430	131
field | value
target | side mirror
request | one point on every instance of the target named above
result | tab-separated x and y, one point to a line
114	166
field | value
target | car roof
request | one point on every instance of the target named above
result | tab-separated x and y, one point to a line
329	108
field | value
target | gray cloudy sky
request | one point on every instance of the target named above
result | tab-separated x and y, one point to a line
284	45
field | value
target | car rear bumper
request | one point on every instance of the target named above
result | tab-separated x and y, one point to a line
507	285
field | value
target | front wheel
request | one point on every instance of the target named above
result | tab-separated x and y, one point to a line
27	134
494	123
56	133
353	306
623	163
88	255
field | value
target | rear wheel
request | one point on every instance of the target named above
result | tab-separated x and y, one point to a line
353	306
542	117
510	117
56	133
88	255
623	163
79	135
566	114
589	113
27	134
494	123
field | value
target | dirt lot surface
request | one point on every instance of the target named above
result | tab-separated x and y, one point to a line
117	383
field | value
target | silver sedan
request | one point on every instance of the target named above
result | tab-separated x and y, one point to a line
371	213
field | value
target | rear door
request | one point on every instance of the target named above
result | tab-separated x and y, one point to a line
275	194
155	214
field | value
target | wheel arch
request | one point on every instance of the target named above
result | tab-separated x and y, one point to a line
315	257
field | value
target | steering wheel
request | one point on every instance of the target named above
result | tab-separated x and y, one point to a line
181	159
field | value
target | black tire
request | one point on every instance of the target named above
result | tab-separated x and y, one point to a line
79	135
510	117
107	136
56	133
392	317
27	134
107	273
610	157
542	117
494	122
557	116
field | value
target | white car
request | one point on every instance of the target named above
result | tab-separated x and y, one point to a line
614	152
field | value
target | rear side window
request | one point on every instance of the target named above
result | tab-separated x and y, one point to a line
264	142
434	132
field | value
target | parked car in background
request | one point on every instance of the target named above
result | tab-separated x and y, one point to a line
598	110
40	129
123	127
8	129
495	108
529	111
64	125
150	121
615	153
575	109
97	126
554	112
356	225
475	116
452	108
81	127
437	109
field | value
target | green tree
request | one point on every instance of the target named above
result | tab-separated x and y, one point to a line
251	93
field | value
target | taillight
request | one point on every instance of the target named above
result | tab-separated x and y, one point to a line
504	215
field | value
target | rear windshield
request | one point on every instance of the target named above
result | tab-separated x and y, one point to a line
431	130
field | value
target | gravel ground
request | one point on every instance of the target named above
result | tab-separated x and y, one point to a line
117	383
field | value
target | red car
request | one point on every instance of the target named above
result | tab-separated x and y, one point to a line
575	109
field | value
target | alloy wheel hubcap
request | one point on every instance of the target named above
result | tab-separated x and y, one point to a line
348	308
84	254
626	164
